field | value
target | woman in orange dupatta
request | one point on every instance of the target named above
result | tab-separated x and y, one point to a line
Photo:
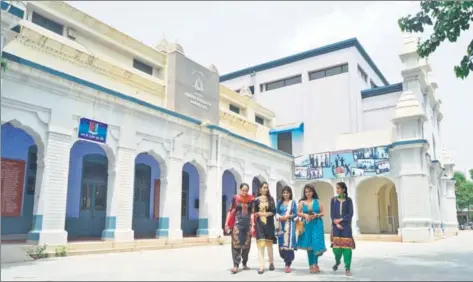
240	223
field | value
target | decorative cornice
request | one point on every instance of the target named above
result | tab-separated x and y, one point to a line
33	40
238	121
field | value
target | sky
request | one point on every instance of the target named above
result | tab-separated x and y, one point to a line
235	35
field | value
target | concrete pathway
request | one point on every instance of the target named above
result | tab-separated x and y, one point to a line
449	259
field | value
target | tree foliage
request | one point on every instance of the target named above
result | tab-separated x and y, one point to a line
464	188
449	19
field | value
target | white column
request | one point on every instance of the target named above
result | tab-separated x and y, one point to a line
352	194
169	225
120	197
210	218
450	211
49	214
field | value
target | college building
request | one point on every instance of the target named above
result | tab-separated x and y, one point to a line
105	137
343	121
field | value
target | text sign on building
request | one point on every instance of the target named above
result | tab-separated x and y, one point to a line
13	177
193	89
92	130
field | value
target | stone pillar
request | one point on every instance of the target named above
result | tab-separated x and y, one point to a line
450	206
120	196
203	224
49	214
352	188
169	224
213	203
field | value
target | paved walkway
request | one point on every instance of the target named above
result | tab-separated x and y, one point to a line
449	259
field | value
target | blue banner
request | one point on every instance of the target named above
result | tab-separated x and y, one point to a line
92	130
339	164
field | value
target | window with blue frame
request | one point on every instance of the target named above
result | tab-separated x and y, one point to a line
285	142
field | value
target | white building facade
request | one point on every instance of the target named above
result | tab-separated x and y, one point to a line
342	120
104	137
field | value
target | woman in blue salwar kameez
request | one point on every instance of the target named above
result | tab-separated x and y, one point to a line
286	212
341	212
312	238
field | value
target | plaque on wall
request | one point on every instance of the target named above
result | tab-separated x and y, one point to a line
12	180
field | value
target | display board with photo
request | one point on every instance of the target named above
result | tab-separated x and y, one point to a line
339	164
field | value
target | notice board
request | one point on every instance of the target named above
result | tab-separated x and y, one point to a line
13	178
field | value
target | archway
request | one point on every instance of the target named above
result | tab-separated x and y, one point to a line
325	192
87	190
257	180
19	171
279	187
146	195
192	193
229	188
377	206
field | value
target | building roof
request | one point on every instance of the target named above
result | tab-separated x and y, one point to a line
352	42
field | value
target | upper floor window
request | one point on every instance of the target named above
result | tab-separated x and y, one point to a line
142	67
328	72
281	83
362	73
234	109
285	142
259	120
47	23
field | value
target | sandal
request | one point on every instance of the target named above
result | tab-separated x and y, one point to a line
271	267
335	267
311	269
234	270
260	271
287	269
348	273
316	269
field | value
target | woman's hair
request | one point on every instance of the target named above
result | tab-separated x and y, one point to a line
311	188
270	198
288	189
243	185
344	188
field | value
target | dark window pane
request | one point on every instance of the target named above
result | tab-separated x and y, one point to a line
345	68
234	109
293	80
47	23
285	142
317	75
333	71
274	85
85	197
142	67
252	89
259	120
100	197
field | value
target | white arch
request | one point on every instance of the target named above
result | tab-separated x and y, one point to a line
38	140
377	205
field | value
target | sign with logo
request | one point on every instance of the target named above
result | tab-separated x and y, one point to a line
92	130
193	89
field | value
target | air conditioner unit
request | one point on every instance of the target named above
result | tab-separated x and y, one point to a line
71	33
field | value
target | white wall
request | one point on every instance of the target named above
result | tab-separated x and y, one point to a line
378	111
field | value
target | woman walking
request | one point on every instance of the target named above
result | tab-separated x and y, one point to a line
310	210
264	209
239	223
341	212
286	211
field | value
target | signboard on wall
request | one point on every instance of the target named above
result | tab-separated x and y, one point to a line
193	89
157	191
339	164
12	180
92	130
